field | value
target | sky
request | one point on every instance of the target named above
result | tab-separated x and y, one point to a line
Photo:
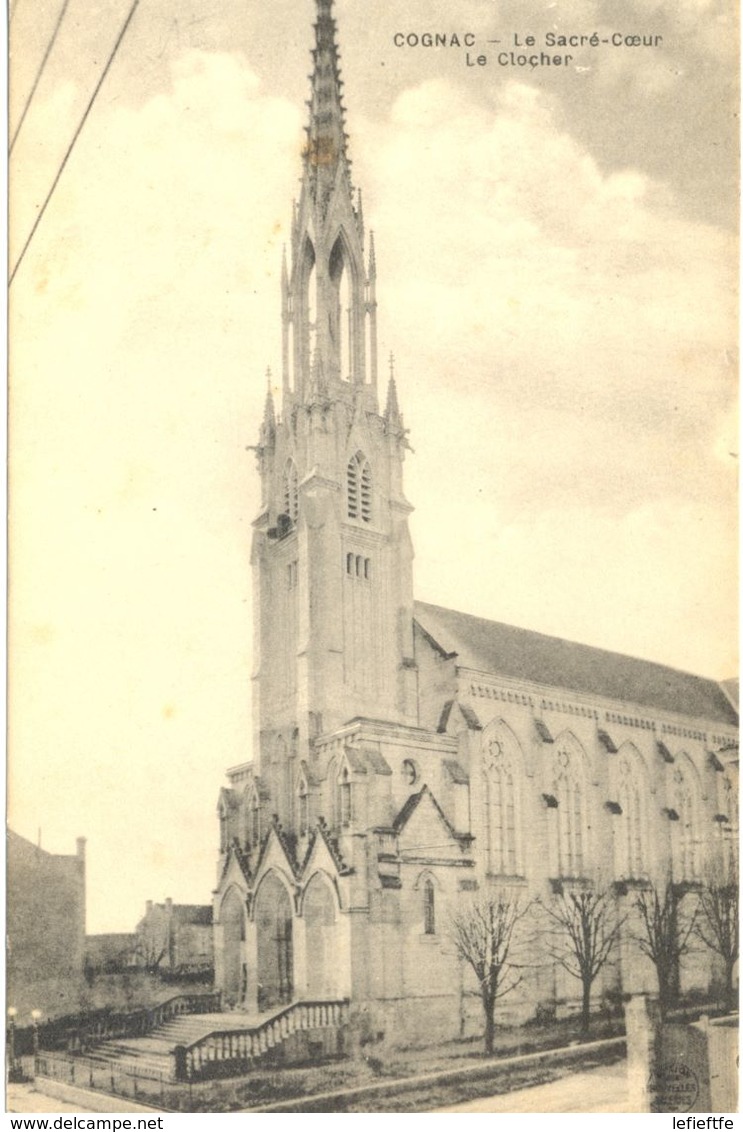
556	278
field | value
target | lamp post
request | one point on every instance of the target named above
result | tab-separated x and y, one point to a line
11	1043
35	1016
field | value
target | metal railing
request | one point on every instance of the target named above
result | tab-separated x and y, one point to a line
236	1050
104	1076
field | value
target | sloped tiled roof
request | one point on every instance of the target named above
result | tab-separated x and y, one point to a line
468	715
525	655
732	690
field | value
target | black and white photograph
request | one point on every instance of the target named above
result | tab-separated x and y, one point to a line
372	557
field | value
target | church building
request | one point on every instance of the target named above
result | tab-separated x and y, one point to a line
408	759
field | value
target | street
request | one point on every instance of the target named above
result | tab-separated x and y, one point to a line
598	1090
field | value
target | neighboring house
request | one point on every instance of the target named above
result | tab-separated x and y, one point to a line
408	758
45	929
175	938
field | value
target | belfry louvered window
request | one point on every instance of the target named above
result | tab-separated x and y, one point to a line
359	487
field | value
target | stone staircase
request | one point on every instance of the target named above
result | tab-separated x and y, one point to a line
191	1047
152	1055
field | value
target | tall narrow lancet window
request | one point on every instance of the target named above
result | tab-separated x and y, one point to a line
687	833
631	828
501	807
340	317
429	908
569	790
290	500
359	488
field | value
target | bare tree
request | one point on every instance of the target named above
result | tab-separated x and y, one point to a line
718	925
483	934
589	929
664	935
152	945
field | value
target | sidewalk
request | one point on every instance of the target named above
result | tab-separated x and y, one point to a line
58	1097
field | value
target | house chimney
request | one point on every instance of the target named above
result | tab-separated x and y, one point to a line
81	842
148	907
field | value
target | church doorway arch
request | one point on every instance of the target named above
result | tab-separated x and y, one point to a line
275	940
232	915
320	907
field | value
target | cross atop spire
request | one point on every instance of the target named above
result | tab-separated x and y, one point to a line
326	134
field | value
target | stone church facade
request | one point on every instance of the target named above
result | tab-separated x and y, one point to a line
409	758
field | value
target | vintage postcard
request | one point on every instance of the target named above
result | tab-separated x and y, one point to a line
373	591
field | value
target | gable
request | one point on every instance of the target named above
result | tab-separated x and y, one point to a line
424	830
321	857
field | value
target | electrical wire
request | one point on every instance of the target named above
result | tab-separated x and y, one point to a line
76	135
39	73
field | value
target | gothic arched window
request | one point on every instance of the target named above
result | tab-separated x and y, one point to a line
569	790
687	834
341	314
429	908
359	488
309	300
501	806
632	856
291	491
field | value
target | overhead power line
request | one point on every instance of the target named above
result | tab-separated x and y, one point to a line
75	136
39	73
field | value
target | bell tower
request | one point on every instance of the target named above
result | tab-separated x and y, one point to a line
332	556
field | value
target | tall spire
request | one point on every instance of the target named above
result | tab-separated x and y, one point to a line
329	306
326	134
392	414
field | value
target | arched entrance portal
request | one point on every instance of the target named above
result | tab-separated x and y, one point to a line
273	917
232	915
320	926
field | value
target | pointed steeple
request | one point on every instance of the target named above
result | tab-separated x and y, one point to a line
326	135
268	427
372	258
329	309
392	414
